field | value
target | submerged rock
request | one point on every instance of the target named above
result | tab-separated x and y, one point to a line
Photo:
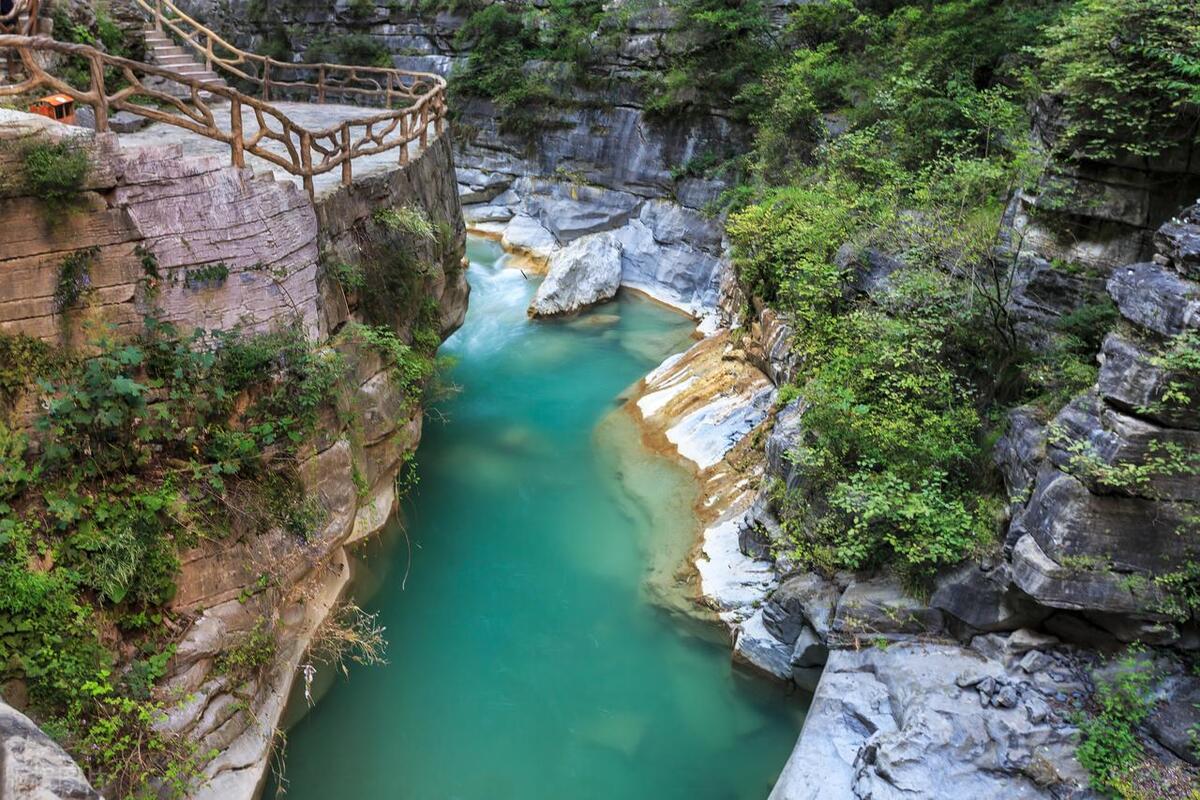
585	272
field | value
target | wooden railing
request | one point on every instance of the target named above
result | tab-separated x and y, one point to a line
11	22
298	150
377	86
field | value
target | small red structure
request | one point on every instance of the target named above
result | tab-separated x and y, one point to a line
59	107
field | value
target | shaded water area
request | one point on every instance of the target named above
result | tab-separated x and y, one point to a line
535	645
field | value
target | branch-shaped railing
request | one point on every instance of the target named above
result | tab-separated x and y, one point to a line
277	139
378	86
10	21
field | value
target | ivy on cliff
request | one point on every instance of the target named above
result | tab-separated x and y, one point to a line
147	447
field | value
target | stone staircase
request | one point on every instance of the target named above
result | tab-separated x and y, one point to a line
163	52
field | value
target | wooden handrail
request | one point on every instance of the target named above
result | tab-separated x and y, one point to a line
308	152
381	86
11	22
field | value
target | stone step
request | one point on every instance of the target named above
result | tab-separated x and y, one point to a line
180	59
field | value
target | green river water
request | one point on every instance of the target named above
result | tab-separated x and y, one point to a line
535	645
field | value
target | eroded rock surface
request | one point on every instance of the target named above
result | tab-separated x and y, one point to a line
585	272
33	767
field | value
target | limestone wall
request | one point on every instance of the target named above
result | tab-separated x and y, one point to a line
190	213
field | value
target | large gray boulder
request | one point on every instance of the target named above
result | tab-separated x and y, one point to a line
880	608
1178	242
984	599
926	722
1021	451
585	272
1088	438
33	767
1131	381
1044	292
804	600
1156	298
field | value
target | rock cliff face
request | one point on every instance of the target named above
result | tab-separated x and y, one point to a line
973	691
598	163
273	245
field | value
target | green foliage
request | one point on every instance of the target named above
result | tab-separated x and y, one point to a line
348	275
350	48
406	219
22	360
1180	359
718	49
409	369
889	446
784	247
361	9
1110	745
1128	73
148	445
206	276
250	655
501	42
55	172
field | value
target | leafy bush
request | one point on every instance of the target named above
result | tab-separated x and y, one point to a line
1128	73
1110	745
408	219
501	43
148	445
55	172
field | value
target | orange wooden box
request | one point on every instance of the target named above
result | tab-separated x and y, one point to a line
58	107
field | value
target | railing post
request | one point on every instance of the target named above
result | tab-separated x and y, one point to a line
441	113
424	125
98	91
405	136
306	163
388	99
158	15
347	176
238	144
266	81
321	84
208	52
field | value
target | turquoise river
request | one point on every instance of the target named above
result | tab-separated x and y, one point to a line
537	642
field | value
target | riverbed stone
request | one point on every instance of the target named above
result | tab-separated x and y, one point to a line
809	651
755	645
585	272
1175	718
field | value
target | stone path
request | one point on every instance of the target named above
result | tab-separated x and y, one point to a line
310	115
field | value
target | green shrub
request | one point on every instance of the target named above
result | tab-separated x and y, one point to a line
347	275
56	172
149	445
1110	746
406	219
1128	73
